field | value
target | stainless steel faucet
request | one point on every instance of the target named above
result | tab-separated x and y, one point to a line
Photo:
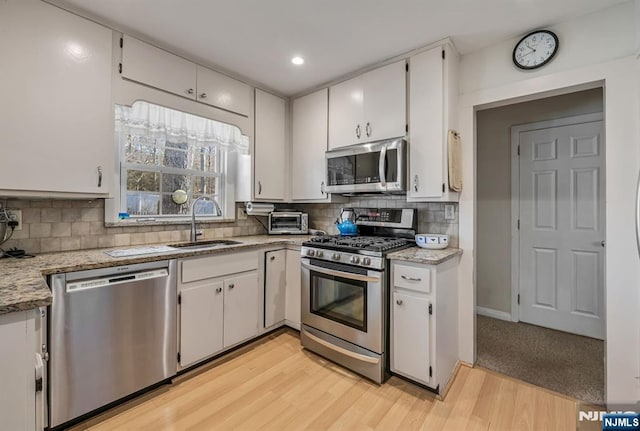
194	234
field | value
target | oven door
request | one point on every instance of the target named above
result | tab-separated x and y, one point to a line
344	301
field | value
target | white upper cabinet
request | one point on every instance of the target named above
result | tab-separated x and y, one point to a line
431	102
369	107
158	68
309	143
270	147
56	115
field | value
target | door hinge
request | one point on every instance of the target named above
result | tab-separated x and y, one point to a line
443	55
430	309
121	42
430	371
518	299
178	357
179	298
120	67
406	67
518	224
518	150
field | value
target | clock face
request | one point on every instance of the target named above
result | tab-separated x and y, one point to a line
535	49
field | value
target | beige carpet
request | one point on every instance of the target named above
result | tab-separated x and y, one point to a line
563	362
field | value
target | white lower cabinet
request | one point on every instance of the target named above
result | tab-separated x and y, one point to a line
424	322
275	286
19	336
218	304
292	307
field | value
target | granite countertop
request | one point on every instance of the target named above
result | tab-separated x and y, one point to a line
23	281
423	255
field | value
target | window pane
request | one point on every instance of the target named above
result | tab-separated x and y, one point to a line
204	185
175	155
141	150
173	182
143	181
205	160
171	208
143	203
205	207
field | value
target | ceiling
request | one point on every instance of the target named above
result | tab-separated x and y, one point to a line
256	39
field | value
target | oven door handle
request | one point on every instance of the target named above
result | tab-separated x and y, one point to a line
341	350
341	274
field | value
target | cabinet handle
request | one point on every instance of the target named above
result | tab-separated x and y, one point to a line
99	176
399	301
404	277
367	129
259	188
190	91
415	183
203	95
231	286
322	187
272	258
358	131
218	289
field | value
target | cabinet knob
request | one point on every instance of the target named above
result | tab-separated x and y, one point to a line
272	258
259	187
358	131
203	95
367	129
399	301
415	183
218	289
190	91
231	286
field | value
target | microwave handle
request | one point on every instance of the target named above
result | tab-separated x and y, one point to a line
381	166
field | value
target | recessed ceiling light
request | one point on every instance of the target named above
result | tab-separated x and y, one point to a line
297	60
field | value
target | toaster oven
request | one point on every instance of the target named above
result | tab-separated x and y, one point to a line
288	222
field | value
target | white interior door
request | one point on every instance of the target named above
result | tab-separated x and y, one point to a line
562	226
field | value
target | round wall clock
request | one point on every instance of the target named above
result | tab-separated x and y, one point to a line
535	49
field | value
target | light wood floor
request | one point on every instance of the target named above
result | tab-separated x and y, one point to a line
276	385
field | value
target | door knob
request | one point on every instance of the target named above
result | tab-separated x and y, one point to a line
272	258
399	301
190	91
218	289
203	95
231	286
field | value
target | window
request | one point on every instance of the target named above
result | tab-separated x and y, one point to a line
168	159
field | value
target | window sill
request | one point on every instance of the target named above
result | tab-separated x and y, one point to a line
160	222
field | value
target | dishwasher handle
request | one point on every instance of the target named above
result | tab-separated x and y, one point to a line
111	280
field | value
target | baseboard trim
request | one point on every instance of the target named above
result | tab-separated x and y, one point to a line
496	314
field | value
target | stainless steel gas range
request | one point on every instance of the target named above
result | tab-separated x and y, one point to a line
345	290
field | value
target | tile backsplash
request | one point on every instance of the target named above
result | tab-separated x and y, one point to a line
63	225
51	225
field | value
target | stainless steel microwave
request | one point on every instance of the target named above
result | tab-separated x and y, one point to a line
288	222
368	168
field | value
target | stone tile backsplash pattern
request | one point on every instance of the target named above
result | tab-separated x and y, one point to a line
430	214
64	225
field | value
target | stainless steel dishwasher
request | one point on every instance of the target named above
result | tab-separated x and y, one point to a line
112	333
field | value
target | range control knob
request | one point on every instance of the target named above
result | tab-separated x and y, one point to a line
354	259
366	261
335	256
319	253
310	252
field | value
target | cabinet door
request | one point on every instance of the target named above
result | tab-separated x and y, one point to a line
385	101
308	166
56	115
201	317
346	113
240	308
158	68
426	125
223	91
410	332
270	152
274	287
292	312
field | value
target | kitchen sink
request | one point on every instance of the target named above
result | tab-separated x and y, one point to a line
204	244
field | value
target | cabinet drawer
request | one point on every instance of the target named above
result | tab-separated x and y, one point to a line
412	278
218	266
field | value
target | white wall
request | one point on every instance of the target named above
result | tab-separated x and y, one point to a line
498	83
493	128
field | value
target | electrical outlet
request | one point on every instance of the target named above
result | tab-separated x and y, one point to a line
449	212
16	215
241	214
